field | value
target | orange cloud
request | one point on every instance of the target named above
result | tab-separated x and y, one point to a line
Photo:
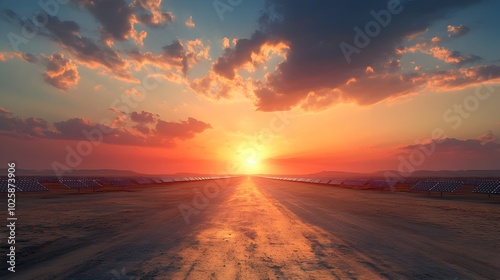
189	22
457	31
175	60
60	72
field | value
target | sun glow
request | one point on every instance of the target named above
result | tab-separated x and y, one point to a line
251	165
251	162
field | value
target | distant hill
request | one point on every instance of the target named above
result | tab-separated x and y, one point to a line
419	173
102	173
187	174
89	172
325	174
455	173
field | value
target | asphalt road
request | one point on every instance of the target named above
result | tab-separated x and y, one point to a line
254	228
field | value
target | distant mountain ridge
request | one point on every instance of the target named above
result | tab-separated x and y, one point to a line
82	172
100	173
419	173
338	174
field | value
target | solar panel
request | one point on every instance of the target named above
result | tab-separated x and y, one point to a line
447	186
103	181
156	180
380	184
90	183
355	182
487	187
29	186
324	181
496	191
142	181
73	184
120	182
52	179
167	180
424	186
4	186
336	182
410	180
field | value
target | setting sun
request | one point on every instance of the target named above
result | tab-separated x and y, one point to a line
251	162
251	165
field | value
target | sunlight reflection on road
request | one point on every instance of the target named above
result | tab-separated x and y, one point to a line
255	237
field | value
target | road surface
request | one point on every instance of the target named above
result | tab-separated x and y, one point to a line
254	228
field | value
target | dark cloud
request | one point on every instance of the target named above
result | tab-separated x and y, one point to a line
234	58
313	32
143	117
87	51
83	49
117	17
488	137
181	130
29	57
9	15
456	79
486	144
18	127
113	15
482	152
163	133
178	56
457	31
58	71
448	56
149	13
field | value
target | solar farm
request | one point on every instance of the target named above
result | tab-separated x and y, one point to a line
34	184
464	186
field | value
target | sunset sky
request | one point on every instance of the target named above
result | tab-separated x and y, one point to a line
241	86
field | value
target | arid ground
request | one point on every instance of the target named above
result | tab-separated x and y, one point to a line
254	228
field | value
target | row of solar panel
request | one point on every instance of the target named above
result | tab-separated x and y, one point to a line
127	182
370	183
489	187
437	185
484	187
34	184
22	185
